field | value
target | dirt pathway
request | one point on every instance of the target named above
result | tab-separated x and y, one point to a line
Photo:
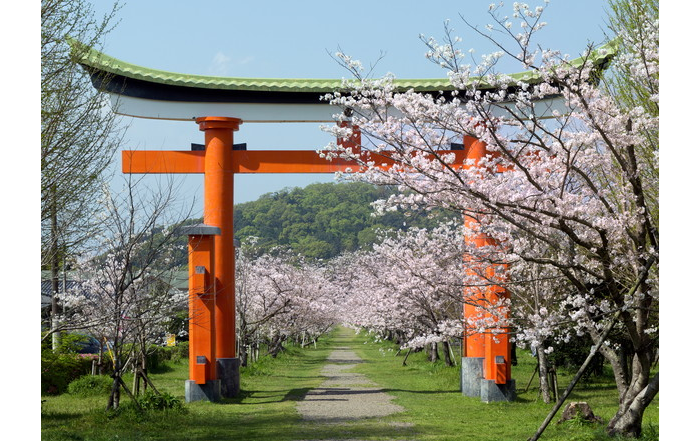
344	396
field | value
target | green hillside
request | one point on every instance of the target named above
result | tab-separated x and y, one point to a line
322	220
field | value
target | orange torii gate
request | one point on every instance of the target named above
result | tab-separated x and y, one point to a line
218	161
219	106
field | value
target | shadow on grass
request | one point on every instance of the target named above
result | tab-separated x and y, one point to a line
296	394
268	426
58	417
251	397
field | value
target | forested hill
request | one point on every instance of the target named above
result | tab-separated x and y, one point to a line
322	220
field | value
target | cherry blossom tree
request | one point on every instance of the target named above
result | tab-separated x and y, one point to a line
263	291
126	298
409	285
280	296
368	302
572	196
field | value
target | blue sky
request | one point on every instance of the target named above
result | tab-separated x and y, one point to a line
283	39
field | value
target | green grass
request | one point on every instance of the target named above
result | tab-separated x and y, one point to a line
430	393
266	408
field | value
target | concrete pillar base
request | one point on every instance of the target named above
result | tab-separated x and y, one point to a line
210	391
228	370
492	392
474	384
471	375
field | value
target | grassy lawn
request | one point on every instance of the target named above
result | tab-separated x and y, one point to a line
265	410
435	409
430	393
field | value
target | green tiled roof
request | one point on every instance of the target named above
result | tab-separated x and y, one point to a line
97	61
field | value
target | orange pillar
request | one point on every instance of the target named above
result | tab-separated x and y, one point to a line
497	346
218	212
473	344
203	383
484	357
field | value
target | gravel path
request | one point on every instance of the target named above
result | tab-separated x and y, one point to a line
344	396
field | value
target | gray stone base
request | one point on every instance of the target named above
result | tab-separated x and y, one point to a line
211	391
474	384
491	392
472	374
228	371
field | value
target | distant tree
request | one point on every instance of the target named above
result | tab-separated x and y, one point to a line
410	285
78	137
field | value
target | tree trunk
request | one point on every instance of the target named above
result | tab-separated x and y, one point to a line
275	346
628	420
243	350
542	371
446	353
554	382
56	336
635	387
408	352
137	383
144	369
432	350
113	400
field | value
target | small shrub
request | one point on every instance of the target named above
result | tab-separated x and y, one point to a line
60	367
58	370
181	351
149	400
90	385
159	355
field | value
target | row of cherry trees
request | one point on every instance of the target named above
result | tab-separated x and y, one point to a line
408	285
280	297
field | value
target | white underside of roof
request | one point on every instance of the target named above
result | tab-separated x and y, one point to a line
267	113
248	112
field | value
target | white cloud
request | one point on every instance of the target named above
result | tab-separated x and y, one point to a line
245	60
222	65
219	66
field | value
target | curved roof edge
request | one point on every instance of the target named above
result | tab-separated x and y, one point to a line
96	61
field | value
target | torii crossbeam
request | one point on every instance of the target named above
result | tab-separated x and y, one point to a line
219	106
